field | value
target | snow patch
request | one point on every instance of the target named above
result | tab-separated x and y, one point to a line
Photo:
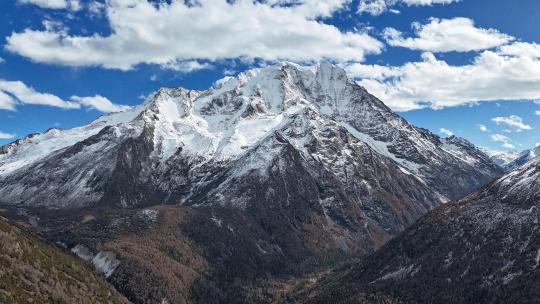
105	262
82	252
382	148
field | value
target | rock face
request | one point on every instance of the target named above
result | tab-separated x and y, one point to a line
484	248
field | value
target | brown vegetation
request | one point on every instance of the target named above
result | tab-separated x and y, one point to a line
34	272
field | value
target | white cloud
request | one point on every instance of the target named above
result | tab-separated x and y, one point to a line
447	35
446	132
229	72
100	103
96	8
2	60
523	49
504	140
187	66
512	121
378	72
6	135
18	92
13	93
537	113
73	5
499	138
312	8
377	7
165	34
483	128
373	7
508	146
491	76
7	102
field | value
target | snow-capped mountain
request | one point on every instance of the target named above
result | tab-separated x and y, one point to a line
501	158
489	240
510	160
523	158
273	172
172	144
276	136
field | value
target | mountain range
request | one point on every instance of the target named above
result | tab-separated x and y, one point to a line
511	160
237	193
484	248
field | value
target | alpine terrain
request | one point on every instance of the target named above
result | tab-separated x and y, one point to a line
484	248
198	196
523	158
32	271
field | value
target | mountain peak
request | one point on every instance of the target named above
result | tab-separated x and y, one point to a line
223	123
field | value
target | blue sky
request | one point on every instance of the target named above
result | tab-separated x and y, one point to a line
469	67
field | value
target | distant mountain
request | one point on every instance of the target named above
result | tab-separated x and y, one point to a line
484	248
510	160
523	158
303	158
34	272
501	158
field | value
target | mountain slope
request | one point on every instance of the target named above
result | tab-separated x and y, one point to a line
34	272
482	249
523	158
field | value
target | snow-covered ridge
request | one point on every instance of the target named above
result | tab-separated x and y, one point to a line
502	158
222	121
37	146
523	158
521	184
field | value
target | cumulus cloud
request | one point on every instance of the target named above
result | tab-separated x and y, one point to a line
7	102
491	76
187	66
513	121
100	103
504	140
18	92
311	8
537	113
447	35
73	5
483	128
14	93
377	7
508	146
523	49
175	32
96	8
373	7
499	138
4	135
446	132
